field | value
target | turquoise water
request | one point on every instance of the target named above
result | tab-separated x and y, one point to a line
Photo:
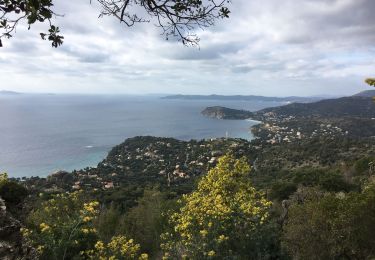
40	134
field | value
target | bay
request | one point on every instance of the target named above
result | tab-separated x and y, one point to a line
40	133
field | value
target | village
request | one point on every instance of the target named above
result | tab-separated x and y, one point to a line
285	129
146	159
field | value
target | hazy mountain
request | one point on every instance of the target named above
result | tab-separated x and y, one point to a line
8	92
355	106
366	93
244	98
360	105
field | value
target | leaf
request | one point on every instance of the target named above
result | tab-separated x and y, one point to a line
46	13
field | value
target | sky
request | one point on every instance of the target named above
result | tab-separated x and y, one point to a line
268	47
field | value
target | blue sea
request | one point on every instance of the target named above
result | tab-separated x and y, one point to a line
40	134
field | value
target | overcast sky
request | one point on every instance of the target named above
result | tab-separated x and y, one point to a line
268	47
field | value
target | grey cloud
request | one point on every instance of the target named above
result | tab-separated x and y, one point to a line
195	55
337	22
242	69
27	46
86	54
211	52
291	43
94	58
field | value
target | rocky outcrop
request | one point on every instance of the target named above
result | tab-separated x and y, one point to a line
12	244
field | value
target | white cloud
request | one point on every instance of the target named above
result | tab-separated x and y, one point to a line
270	47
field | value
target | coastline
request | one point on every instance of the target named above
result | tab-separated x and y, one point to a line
60	139
257	122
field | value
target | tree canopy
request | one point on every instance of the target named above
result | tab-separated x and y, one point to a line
176	18
332	226
370	81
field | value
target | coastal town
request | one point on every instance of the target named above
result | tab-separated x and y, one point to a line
281	129
167	161
176	164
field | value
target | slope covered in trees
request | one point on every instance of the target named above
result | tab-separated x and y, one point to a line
355	106
226	113
307	197
360	106
147	211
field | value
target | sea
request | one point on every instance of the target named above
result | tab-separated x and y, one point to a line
44	133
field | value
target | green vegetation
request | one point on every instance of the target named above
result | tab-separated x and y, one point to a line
12	193
224	217
227	213
335	226
226	113
161	201
65	227
118	248
370	81
310	196
62	227
12	12
220	219
149	219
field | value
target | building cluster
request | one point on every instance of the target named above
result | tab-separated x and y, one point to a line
169	160
281	129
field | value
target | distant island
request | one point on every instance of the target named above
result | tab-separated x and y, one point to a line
291	99
8	92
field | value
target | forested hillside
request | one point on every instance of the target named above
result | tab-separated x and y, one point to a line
306	173
355	106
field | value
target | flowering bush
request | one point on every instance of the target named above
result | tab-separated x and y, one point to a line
118	248
63	226
219	219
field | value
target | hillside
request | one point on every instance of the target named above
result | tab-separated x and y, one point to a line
356	106
146	160
226	113
141	179
366	93
348	116
175	165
